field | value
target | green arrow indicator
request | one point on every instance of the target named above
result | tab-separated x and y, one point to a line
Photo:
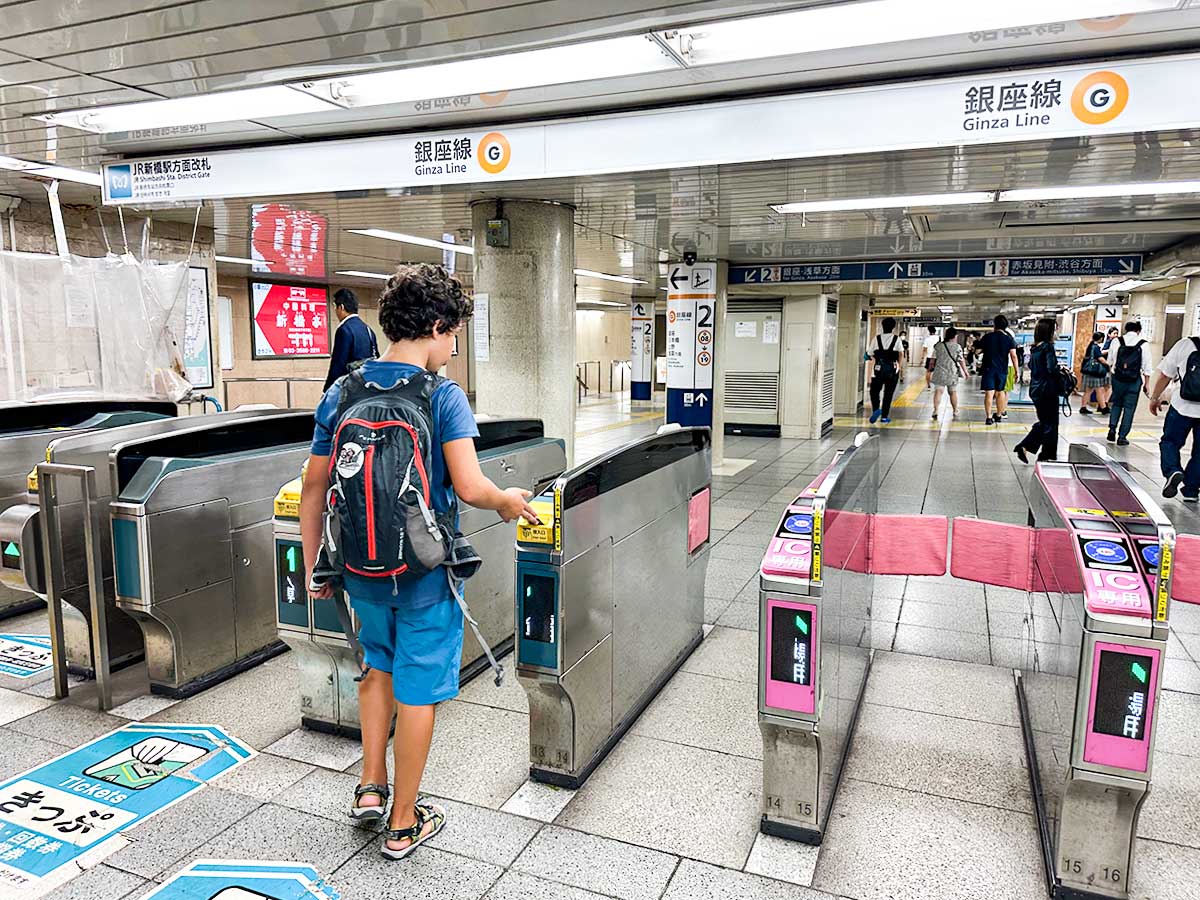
1139	672
11	549
802	625
291	559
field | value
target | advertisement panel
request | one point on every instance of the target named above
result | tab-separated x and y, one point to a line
289	320
286	241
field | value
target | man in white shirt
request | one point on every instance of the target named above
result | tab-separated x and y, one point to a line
927	359
1129	363
1183	418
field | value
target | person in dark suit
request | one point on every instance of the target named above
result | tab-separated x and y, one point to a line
354	339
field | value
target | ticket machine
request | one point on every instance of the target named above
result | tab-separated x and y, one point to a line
610	595
1090	685
513	453
26	429
814	649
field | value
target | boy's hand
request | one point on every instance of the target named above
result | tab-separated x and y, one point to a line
325	592
515	506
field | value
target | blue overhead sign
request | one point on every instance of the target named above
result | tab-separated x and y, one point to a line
81	802
238	879
924	269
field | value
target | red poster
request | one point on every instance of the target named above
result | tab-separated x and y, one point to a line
286	241
289	320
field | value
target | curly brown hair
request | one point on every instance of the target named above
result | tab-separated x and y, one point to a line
419	298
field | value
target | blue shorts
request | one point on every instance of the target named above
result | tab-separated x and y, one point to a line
421	648
993	380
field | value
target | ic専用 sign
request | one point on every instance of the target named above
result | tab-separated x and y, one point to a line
691	342
24	655
289	320
81	803
242	879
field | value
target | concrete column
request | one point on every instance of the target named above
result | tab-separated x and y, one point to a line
1191	308
530	286
848	382
718	415
1150	308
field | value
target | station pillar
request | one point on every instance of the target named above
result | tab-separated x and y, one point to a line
1150	308
718	410
524	326
1191	308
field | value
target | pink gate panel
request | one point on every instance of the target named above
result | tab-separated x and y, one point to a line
995	553
908	544
1185	580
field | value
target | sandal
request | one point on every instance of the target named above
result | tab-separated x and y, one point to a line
426	814
370	813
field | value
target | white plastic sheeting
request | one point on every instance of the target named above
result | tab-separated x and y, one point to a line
83	326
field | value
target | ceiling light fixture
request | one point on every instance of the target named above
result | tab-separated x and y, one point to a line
49	170
201	109
960	198
599	303
413	239
624	279
1089	298
1175	309
356	274
238	260
1129	284
946	308
1091	191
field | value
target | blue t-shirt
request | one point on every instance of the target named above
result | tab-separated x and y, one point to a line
452	421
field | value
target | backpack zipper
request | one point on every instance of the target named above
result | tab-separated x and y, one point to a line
369	477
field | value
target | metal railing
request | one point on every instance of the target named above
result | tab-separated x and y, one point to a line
624	368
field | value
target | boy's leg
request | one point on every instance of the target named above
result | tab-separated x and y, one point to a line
1176	428
414	734
1001	402
889	389
876	383
375	706
987	403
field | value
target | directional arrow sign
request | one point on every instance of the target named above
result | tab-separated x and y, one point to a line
702	400
896	269
639	309
11	549
678	276
1126	266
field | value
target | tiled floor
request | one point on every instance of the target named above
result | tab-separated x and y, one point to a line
935	802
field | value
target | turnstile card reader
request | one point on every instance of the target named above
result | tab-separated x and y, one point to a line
193	550
610	595
513	453
814	655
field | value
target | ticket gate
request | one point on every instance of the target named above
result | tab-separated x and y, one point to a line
26	429
192	547
513	453
1089	686
610	595
22	524
814	642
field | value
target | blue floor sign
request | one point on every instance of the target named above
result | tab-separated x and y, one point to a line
81	802
24	655
238	879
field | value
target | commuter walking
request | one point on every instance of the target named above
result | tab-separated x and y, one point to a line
400	583
888	348
927	359
1095	375
1129	365
999	353
1045	392
353	341
949	366
1182	364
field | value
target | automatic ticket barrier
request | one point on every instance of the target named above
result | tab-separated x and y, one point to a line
1090	683
74	521
192	544
814	642
26	430
513	453
610	595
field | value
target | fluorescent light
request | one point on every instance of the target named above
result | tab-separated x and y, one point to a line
959	198
200	109
1087	298
586	61
600	303
1129	284
1175	309
1081	192
946	308
624	279
413	239
239	260
49	170
358	274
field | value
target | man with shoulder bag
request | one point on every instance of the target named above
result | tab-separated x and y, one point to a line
1182	364
1129	365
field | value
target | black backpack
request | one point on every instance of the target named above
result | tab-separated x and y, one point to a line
887	362
1189	378
1129	363
379	515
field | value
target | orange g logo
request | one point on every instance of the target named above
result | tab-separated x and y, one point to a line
494	153
1105	23
494	99
1099	98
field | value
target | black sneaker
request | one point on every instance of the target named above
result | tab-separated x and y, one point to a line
1085	411
987	421
1190	498
1112	436
1171	488
1122	442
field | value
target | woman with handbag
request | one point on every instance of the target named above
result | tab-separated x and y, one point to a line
1095	376
1045	390
948	367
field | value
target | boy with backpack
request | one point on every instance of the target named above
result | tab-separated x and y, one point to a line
887	349
1129	365
1182	364
393	446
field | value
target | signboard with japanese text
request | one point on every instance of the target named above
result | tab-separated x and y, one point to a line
242	879
24	655
1034	104
286	241
691	342
80	804
289	320
928	269
641	351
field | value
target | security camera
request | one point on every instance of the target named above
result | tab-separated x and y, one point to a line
689	257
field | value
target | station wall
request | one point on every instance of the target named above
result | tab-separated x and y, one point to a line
601	336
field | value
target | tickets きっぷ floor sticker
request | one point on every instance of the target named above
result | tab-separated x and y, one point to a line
24	655
79	804
240	879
